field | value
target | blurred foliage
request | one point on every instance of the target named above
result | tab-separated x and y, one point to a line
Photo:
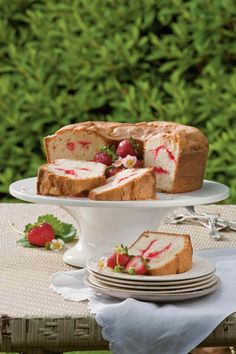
65	61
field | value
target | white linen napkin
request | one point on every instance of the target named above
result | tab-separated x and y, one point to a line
70	285
133	326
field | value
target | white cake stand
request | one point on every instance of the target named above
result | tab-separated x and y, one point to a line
104	224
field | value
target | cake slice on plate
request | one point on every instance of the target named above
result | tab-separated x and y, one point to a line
165	253
69	177
129	184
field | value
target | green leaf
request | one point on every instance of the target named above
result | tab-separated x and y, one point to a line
25	243
68	233
56	224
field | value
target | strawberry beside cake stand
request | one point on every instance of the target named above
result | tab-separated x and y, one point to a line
104	224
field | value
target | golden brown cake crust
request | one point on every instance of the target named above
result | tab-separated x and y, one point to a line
49	183
190	172
141	188
180	263
189	138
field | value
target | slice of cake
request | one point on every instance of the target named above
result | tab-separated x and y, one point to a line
129	184
69	177
165	253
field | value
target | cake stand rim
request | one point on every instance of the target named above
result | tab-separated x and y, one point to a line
18	189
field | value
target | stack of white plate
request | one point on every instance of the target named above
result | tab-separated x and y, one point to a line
200	280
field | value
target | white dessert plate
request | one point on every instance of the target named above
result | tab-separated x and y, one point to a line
153	290
156	297
200	267
152	285
210	192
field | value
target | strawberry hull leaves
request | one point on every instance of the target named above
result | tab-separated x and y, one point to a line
68	233
63	231
25	243
56	224
110	150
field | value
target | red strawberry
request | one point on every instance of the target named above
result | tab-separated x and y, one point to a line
125	148
114	171
111	261
104	158
139	164
117	259
40	235
136	266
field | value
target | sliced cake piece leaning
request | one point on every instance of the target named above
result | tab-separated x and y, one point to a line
69	177
166	253
129	184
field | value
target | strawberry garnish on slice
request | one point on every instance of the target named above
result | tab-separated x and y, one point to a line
119	259
136	266
41	235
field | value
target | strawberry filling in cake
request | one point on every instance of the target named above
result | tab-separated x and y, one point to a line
165	253
67	177
70	146
129	184
163	158
63	167
153	253
85	144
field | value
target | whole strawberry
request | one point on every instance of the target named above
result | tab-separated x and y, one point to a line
41	235
118	259
104	158
125	148
113	171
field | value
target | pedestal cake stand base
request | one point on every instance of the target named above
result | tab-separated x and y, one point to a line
102	228
105	224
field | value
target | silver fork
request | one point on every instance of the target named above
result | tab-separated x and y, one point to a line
177	219
210	223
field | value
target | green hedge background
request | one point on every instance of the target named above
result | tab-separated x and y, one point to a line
65	61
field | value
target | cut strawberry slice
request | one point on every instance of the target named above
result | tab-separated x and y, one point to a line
136	266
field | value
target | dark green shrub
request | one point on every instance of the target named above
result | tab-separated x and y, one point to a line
66	61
